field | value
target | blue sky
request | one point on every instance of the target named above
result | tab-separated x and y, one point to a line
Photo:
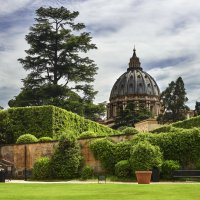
166	35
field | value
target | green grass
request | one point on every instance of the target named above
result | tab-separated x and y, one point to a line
99	191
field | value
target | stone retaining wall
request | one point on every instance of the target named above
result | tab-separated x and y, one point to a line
24	156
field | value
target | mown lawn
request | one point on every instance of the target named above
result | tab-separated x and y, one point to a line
99	191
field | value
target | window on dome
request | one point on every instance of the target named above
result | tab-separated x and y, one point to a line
139	76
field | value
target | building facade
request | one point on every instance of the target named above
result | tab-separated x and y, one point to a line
134	86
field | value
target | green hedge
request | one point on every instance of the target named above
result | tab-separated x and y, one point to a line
26	139
183	145
188	123
64	120
104	150
87	172
45	121
123	169
185	124
41	169
168	167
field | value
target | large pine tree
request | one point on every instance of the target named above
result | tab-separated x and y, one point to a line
58	69
173	100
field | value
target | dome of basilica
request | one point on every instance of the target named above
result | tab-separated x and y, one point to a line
134	86
135	82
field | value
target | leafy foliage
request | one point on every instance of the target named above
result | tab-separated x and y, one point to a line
41	169
26	139
87	173
182	145
6	136
185	124
131	115
130	131
104	150
87	134
145	156
45	121
122	151
66	160
168	167
123	169
197	108
173	100
59	70
45	139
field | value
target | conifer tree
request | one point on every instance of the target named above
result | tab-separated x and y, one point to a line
59	73
173	100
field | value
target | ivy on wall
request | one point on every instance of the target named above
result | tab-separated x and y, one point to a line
41	121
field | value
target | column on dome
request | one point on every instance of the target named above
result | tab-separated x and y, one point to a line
108	110
114	110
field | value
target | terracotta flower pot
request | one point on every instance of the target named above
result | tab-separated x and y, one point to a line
143	177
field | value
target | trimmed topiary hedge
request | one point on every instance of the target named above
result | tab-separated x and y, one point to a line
45	121
45	139
26	139
87	134
188	123
185	124
130	131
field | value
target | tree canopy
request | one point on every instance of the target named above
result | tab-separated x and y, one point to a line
173	100
59	73
131	115
197	108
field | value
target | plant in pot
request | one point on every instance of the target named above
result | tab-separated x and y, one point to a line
144	156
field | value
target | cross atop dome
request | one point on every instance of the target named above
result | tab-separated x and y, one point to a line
134	62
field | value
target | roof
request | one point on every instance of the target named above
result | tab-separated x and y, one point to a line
135	81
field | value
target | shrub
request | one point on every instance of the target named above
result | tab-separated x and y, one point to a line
168	167
104	150
121	128
123	169
45	139
188	123
182	145
6	136
66	160
87	134
130	131
87	173
162	129
41	169
145	156
122	151
26	139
